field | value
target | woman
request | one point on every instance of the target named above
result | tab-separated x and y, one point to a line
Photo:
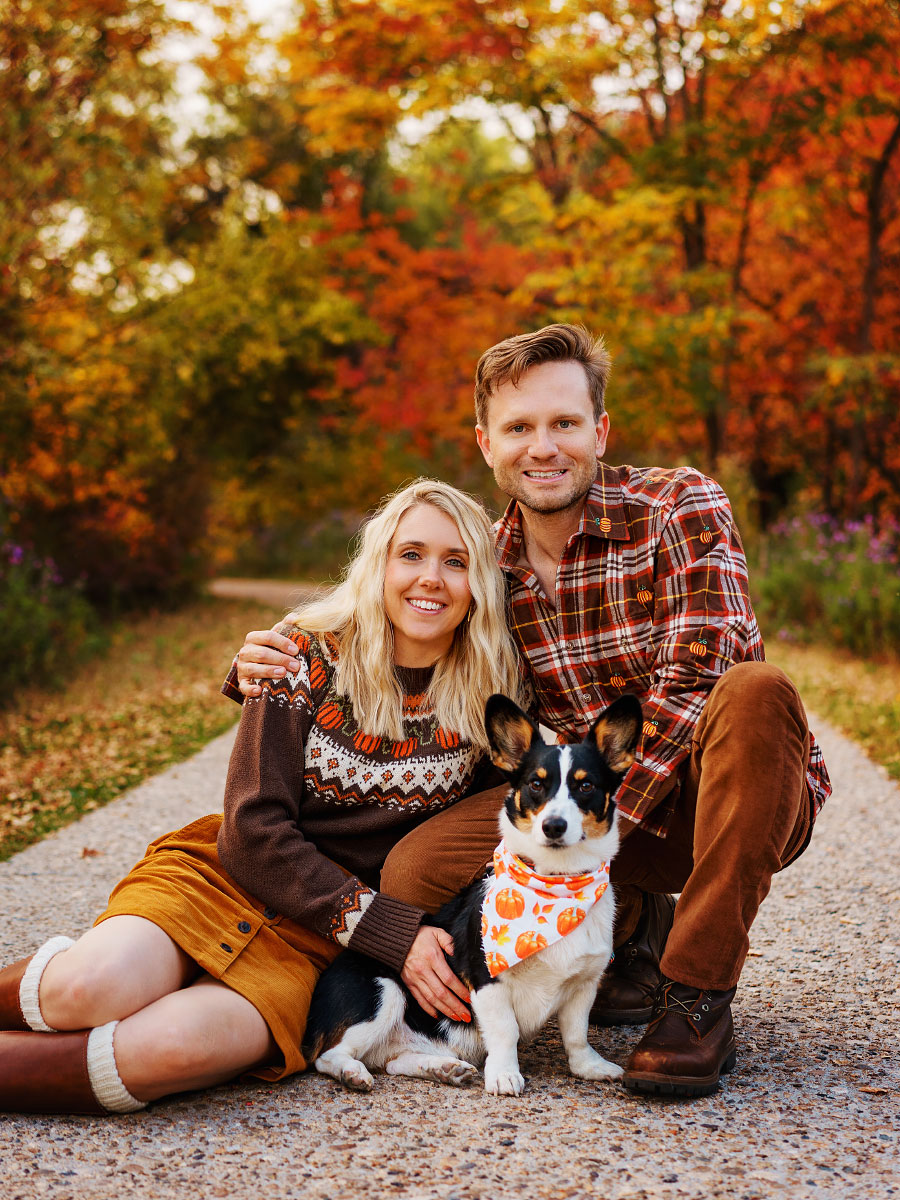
203	964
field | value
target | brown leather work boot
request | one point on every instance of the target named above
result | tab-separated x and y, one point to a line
626	992
689	1043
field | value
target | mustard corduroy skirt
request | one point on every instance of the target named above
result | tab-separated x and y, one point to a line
272	961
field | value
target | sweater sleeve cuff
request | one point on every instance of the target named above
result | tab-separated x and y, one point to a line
387	930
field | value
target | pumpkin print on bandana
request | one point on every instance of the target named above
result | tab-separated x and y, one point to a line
523	912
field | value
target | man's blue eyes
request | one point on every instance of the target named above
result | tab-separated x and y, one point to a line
559	425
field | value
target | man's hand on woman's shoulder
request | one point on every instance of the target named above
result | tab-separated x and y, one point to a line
265	654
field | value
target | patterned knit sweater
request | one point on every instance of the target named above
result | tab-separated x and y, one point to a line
313	804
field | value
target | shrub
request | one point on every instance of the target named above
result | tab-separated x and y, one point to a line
822	580
44	621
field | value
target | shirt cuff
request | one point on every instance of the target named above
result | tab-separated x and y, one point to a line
387	930
648	799
230	686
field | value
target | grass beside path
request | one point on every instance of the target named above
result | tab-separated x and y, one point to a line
81	738
860	698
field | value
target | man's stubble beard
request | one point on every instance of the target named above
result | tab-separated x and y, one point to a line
509	482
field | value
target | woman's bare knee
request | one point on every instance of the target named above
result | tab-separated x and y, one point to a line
69	993
111	972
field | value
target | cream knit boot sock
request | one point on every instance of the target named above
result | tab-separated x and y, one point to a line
103	1073
30	986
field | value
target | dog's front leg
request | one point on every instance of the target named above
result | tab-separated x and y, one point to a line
573	1014
498	1026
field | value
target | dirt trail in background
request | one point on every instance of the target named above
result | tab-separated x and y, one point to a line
273	593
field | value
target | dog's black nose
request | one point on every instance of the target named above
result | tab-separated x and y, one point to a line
553	827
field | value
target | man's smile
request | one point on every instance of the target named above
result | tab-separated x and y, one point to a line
554	473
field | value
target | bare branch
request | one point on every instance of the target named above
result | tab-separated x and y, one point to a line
653	128
660	69
876	223
614	143
684	94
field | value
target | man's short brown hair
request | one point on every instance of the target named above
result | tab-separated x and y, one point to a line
508	361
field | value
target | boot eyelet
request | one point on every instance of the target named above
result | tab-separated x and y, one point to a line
696	1016
705	1007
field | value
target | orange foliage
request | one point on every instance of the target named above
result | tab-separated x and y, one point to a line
719	197
436	308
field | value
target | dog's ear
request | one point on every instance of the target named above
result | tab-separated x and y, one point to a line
511	732
616	731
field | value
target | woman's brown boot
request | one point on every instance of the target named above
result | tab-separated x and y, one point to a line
10	1008
62	1073
46	1073
20	982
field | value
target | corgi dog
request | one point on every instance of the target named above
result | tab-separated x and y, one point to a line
530	940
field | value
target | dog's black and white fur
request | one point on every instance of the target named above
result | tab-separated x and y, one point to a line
559	815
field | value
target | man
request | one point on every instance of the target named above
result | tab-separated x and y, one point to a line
627	579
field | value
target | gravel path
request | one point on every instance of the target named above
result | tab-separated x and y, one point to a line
812	1109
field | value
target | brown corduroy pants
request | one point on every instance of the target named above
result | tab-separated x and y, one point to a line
743	812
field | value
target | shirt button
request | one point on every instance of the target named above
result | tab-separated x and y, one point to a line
270	914
586	697
244	926
226	947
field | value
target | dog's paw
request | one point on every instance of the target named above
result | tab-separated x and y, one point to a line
595	1067
456	1074
503	1083
357	1078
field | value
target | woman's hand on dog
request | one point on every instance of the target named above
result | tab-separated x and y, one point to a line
428	976
265	654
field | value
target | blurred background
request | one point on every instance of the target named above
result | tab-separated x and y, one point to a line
250	254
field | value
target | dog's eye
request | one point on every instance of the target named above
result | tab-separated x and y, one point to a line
585	786
535	786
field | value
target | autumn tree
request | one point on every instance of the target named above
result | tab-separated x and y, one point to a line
84	140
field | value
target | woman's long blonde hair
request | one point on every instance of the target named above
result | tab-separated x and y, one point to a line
482	658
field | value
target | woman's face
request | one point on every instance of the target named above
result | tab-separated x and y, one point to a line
426	585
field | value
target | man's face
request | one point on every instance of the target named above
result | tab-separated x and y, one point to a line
541	439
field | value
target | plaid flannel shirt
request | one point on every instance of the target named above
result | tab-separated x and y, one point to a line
651	598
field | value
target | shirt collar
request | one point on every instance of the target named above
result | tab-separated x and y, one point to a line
603	517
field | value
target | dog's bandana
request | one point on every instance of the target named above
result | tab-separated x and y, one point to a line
524	912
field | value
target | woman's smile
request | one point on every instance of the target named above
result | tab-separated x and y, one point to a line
426	605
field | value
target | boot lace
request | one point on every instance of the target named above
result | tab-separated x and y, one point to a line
664	1001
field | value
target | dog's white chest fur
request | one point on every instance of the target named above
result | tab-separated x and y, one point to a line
538	986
